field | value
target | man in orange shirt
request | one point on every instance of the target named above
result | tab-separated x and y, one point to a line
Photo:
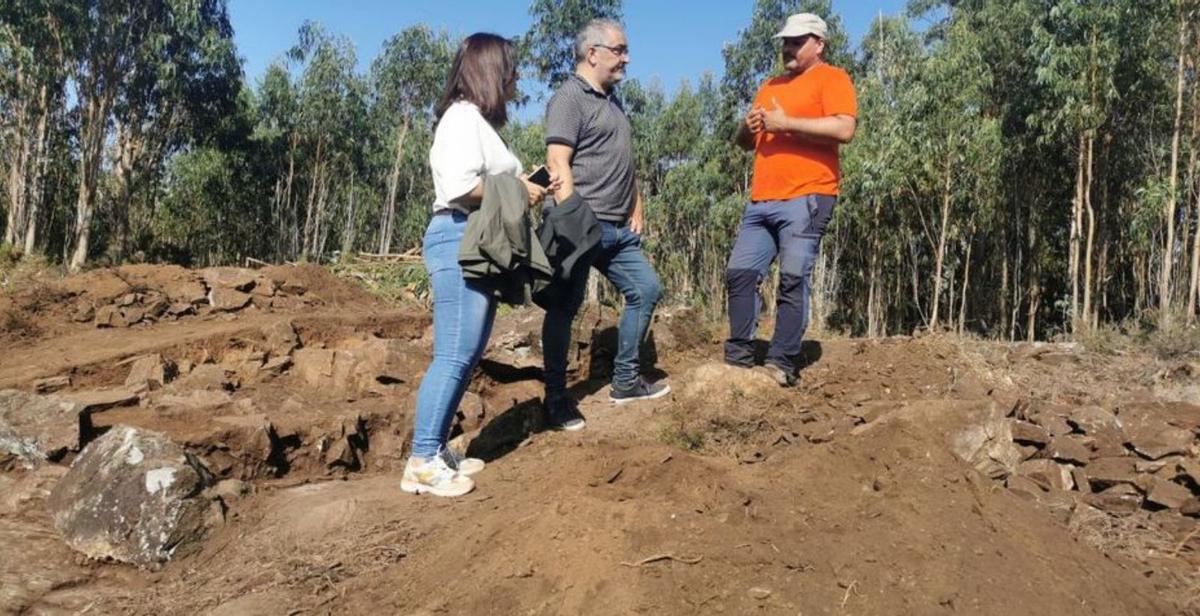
795	126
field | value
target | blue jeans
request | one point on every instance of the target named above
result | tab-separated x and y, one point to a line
621	260
462	321
793	230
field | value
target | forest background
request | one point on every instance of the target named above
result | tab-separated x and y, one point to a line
1024	169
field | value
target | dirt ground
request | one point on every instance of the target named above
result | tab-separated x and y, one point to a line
849	494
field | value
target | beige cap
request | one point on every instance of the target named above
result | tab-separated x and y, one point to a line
801	24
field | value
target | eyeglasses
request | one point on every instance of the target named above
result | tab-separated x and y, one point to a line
620	50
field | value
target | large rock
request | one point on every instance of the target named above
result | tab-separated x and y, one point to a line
150	372
36	428
987	444
234	278
132	496
358	365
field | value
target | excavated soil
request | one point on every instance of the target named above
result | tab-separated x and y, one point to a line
851	494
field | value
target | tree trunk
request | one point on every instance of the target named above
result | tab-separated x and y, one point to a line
941	248
1164	283
1194	184
875	287
966	279
18	164
41	165
1089	252
285	217
91	149
389	219
310	210
1077	232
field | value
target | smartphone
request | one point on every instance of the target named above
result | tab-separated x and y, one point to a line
540	176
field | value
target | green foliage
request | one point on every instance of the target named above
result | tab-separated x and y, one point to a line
549	45
969	139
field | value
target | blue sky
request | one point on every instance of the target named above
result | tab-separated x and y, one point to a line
670	40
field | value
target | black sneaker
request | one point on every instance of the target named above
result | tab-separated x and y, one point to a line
563	414
785	378
641	390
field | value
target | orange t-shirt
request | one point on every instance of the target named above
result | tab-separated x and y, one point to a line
785	166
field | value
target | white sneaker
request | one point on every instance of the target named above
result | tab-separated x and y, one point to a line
435	477
462	464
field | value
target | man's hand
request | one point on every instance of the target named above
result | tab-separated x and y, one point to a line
754	120
637	220
775	120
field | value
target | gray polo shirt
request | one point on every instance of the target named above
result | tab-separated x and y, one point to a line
595	125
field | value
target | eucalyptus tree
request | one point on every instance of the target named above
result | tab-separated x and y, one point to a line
406	80
549	43
33	50
328	97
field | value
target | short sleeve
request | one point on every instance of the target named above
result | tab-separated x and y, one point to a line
457	157
563	120
837	96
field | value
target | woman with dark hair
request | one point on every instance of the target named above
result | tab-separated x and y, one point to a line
466	151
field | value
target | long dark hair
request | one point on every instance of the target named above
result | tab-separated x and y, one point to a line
483	71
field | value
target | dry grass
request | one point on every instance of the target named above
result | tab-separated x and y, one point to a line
1138	539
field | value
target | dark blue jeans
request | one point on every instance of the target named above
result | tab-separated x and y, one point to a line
621	260
791	229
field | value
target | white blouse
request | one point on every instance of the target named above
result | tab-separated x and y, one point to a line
466	148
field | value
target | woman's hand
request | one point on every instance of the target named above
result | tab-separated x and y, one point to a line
536	193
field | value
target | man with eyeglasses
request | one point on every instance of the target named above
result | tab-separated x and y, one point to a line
589	143
795	125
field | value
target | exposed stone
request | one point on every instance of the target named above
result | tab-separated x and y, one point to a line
132	496
1067	449
1093	420
35	428
227	300
1082	483
185	292
1048	474
194	400
95	400
1191	468
230	489
1052	421
1024	487
132	315
1167	493
1154	444
246	362
211	377
1029	433
986	444
1191	508
276	366
230	278
471	412
150	372
264	287
127	300
315	366
156	307
52	384
292	286
1119	500
1104	473
109	316
281	338
84	312
181	309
